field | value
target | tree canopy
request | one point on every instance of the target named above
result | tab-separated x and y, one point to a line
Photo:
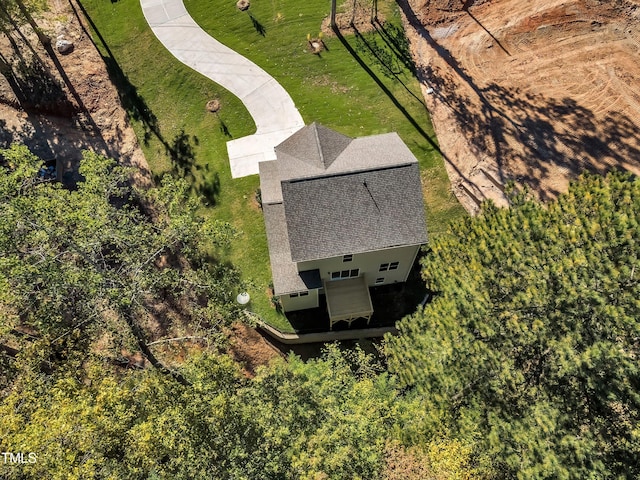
524	364
530	346
94	262
86	266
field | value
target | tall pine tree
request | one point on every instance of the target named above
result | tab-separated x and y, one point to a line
531	344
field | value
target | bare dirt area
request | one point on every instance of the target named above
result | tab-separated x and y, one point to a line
250	349
535	92
61	104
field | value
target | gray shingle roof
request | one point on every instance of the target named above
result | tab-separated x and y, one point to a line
328	195
315	145
354	213
286	278
270	190
332	153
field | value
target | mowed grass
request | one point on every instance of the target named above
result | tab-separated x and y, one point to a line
359	89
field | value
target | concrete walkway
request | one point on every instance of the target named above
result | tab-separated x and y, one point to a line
271	107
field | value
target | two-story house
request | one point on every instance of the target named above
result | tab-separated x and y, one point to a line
341	215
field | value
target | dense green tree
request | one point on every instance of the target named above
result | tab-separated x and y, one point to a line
92	262
321	419
97	423
331	418
530	346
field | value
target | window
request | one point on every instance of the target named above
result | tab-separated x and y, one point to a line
304	294
345	274
388	266
293	295
380	280
347	258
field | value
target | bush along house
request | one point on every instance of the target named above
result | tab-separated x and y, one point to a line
341	215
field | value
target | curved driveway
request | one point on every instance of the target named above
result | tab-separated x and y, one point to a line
271	107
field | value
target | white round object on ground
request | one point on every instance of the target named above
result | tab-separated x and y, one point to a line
243	298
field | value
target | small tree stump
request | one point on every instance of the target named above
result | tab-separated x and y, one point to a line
213	105
243	5
316	45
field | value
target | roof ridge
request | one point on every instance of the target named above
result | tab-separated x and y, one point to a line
318	145
348	172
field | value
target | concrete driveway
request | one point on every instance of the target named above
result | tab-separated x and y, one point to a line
275	115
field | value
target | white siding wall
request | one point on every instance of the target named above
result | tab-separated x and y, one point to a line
368	264
289	304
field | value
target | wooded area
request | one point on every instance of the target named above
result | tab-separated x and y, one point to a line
523	365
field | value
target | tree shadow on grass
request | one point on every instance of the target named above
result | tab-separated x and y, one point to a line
180	149
383	87
259	27
391	62
431	141
396	40
182	154
209	188
202	180
224	129
131	100
531	136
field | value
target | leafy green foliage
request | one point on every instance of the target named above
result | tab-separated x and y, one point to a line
99	424
321	419
76	264
324	419
13	11
530	346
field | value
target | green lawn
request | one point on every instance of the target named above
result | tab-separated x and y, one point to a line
360	89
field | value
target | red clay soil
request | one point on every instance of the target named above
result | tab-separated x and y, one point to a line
250	349
531	91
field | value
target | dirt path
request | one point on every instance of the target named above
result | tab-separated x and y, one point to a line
535	92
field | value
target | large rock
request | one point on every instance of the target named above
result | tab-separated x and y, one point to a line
64	46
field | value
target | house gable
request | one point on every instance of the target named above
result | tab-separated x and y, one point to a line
314	146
